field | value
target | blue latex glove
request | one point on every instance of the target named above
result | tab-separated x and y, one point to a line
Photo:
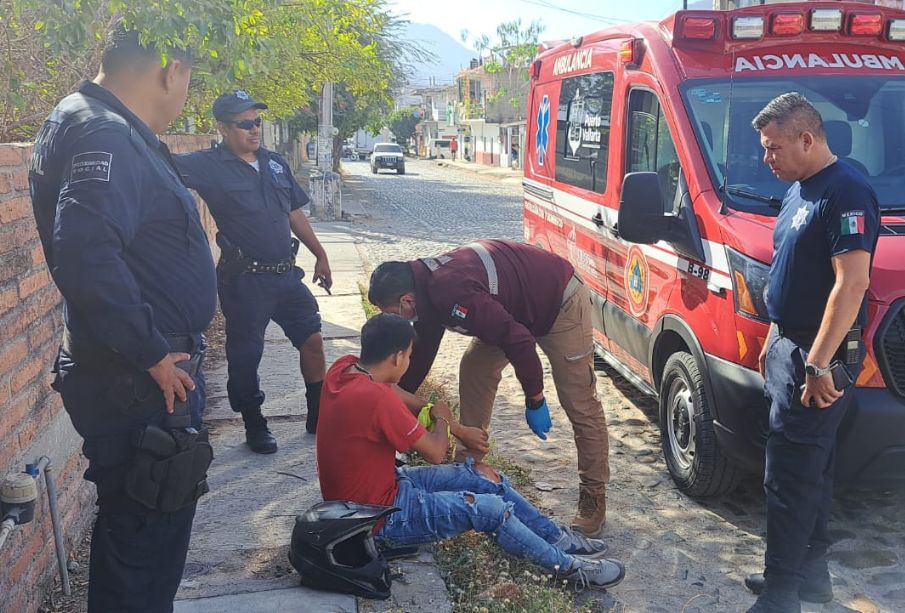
539	420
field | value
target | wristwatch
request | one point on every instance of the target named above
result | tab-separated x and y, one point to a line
812	370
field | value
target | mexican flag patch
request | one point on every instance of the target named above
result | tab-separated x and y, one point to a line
852	223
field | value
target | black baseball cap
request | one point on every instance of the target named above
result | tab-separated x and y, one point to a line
232	103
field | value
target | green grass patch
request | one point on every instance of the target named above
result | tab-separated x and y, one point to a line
369	309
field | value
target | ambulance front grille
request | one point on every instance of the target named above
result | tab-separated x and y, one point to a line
890	348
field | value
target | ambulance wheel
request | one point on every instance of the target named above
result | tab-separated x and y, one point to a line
400	170
373	170
693	457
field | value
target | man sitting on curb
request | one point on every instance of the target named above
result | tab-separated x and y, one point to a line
365	418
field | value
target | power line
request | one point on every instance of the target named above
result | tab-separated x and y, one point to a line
601	18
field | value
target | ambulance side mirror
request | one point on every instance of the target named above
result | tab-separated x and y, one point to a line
641	218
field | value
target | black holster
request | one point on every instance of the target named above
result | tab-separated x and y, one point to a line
169	471
232	261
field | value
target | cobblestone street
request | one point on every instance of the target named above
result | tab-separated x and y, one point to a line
681	554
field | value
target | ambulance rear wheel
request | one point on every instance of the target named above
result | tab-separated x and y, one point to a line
693	457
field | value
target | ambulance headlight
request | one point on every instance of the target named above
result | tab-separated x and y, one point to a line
896	29
826	20
749	285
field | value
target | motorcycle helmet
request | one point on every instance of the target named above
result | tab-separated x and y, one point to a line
333	549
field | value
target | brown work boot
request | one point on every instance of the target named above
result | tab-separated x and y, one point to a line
591	516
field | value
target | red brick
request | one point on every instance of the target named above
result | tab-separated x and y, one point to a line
37	256
8	299
35	424
20	180
10	156
13	265
17	208
33	282
13	413
28	551
5	183
26	374
40	334
12	323
12	354
41	304
4	395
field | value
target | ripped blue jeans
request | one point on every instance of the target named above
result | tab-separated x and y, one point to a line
439	502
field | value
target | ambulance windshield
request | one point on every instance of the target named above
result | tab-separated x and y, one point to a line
864	119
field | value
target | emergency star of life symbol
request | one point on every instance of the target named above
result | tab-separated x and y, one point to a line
543	125
801	216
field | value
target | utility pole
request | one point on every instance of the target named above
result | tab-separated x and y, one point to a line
324	183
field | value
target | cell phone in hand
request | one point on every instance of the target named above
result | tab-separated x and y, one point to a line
842	378
322	282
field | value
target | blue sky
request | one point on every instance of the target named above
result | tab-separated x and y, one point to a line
482	16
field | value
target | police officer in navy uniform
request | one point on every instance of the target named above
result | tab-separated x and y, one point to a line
823	241
257	203
124	242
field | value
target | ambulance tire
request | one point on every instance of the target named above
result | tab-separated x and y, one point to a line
693	457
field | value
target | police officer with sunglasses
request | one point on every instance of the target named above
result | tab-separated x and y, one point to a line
257	205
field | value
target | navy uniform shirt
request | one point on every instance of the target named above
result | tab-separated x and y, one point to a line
251	207
453	292
121	233
828	214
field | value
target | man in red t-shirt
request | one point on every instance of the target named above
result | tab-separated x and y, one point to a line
366	418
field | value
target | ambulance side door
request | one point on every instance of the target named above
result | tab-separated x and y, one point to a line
641	276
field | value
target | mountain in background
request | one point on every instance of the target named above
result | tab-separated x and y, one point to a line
450	56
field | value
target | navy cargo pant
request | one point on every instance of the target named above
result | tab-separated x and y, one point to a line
249	303
799	474
137	554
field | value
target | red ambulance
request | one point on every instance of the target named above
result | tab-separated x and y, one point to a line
643	169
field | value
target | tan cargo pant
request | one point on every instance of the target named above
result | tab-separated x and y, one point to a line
569	347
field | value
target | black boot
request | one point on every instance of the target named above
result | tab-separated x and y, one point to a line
257	434
816	586
774	600
313	398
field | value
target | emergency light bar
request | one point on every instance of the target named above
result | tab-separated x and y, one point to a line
747	27
705	26
896	29
787	24
826	20
865	24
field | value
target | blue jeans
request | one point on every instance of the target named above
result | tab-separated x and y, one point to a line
439	502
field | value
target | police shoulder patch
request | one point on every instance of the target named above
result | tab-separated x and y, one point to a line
459	312
91	166
276	167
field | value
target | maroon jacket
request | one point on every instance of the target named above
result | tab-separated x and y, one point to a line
454	291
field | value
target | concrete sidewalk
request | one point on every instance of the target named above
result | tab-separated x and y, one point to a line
238	555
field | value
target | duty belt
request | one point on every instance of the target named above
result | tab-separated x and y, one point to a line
274	268
94	357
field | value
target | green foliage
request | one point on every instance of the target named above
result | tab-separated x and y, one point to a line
402	123
279	51
508	55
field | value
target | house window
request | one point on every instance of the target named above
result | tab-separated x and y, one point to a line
650	146
583	130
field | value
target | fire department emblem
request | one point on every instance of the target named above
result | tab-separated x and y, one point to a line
636	280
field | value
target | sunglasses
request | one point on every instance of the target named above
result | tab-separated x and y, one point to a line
246	124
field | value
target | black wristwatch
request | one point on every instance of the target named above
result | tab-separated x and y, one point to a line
813	370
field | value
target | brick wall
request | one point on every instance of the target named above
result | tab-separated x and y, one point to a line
32	420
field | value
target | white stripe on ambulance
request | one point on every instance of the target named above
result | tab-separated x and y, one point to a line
812	60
